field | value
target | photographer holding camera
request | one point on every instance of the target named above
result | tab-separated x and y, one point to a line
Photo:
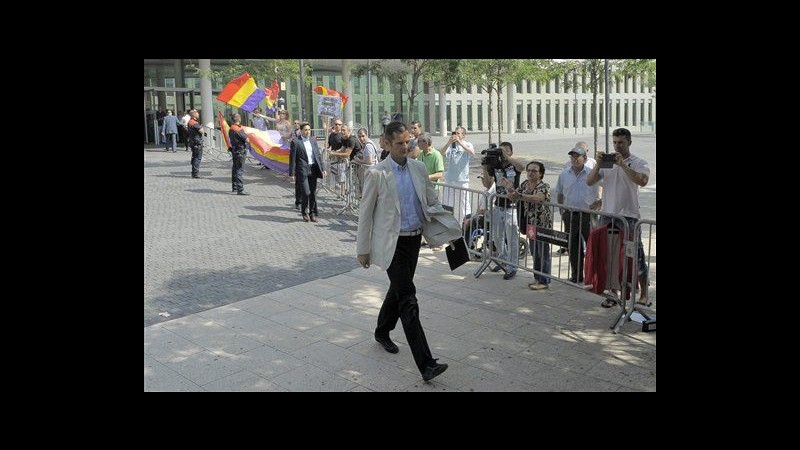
505	171
457	152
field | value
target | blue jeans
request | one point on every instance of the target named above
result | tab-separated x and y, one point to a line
541	260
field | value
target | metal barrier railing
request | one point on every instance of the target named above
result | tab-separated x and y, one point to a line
642	262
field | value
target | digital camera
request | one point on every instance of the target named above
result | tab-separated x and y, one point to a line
607	160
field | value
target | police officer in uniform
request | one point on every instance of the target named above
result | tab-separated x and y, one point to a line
238	149
195	141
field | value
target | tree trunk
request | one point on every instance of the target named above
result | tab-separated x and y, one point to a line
499	115
490	116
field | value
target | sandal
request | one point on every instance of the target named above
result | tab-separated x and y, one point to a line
608	303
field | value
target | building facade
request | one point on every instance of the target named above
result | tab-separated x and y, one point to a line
554	107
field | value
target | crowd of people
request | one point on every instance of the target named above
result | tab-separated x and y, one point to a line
399	206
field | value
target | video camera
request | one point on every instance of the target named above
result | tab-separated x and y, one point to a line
494	156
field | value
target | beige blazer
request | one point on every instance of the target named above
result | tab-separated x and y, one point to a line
379	213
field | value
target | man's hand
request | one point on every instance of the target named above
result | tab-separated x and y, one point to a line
596	204
364	261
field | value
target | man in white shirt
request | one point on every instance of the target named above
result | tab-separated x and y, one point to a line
621	185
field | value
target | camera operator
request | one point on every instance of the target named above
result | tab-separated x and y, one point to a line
457	153
499	166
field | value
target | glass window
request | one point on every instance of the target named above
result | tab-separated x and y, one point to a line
547	114
558	114
635	116
529	107
538	87
618	111
459	119
557	83
480	115
448	115
575	115
469	116
538	114
641	111
547	90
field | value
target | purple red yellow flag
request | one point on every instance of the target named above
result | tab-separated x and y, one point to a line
272	93
268	147
322	90
242	93
223	126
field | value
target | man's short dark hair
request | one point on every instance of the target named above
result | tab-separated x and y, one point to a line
394	128
622	132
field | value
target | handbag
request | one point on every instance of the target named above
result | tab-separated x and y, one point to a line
530	231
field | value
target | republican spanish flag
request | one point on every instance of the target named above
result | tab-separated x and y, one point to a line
242	93
223	126
322	90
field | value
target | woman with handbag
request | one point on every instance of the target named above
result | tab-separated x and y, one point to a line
530	194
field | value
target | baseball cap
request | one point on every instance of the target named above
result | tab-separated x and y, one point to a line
578	150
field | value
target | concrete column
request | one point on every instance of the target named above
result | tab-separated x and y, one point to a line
430	96
654	111
474	111
179	82
511	108
453	119
348	91
442	110
207	111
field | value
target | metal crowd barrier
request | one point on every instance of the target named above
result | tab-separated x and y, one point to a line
503	251
648	240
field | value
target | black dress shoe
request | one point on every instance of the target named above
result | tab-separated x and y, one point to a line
313	218
433	371
242	192
510	275
305	217
196	176
387	344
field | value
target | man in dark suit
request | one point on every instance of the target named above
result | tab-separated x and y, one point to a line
305	166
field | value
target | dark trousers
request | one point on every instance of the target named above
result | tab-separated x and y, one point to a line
308	189
197	156
578	235
170	141
237	171
401	301
298	193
